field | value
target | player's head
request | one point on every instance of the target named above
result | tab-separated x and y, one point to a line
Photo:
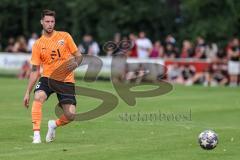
48	20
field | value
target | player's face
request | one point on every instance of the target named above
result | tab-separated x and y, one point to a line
48	23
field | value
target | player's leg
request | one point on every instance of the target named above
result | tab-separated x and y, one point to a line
41	94
68	104
67	117
39	98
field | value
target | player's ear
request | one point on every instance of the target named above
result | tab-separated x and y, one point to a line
41	21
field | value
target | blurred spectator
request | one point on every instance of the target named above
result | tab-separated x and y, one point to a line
157	51
225	67
124	46
181	74
89	46
20	45
221	55
233	53
199	78
10	45
144	46
117	37
170	51
174	74
133	51
116	40
211	51
119	67
31	41
170	39
187	49
218	74
25	71
200	48
188	72
135	76
215	75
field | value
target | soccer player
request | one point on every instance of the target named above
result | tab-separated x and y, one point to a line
51	51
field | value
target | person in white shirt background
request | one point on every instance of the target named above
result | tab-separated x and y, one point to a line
31	41
144	46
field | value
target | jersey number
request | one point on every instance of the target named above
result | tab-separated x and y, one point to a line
54	54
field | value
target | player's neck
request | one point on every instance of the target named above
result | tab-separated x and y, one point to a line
48	35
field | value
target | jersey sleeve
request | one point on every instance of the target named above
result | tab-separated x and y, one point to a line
35	59
71	44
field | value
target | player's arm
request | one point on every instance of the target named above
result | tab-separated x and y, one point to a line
34	75
75	61
78	57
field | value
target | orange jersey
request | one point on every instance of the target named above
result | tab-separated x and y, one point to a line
52	52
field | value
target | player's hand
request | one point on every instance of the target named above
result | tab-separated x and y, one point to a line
26	100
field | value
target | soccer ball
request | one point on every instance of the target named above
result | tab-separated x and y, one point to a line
208	139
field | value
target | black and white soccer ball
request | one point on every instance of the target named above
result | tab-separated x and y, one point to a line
208	139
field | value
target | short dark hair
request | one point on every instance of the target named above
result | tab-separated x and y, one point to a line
48	12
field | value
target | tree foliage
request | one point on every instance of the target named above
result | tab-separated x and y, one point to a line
215	20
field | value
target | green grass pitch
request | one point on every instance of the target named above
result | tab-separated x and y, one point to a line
111	137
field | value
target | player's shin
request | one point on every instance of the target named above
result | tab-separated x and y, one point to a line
36	115
63	120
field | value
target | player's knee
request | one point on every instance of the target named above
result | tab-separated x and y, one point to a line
70	116
40	96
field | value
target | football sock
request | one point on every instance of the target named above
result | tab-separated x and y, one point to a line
62	121
36	115
36	133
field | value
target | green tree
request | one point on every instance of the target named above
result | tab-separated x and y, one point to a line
214	20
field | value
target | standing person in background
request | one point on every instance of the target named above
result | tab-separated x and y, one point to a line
10	45
144	46
233	53
212	51
200	49
170	51
187	49
116	40
133	51
20	45
89	46
31	41
117	37
170	39
157	51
